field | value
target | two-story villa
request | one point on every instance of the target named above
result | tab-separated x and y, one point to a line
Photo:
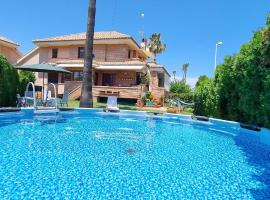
9	49
118	64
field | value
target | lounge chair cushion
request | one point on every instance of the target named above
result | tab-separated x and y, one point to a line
112	103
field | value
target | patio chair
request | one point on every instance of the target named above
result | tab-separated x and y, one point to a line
64	100
29	98
48	98
20	101
112	104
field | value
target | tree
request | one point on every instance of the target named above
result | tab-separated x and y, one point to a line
156	46
181	90
185	69
24	78
174	75
8	83
86	95
240	88
205	97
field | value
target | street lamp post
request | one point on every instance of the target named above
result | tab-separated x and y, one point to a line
217	45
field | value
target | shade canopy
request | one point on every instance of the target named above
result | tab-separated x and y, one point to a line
42	68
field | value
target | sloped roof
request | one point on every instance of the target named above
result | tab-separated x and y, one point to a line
155	65
82	36
4	39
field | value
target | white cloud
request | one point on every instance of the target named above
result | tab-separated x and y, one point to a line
192	81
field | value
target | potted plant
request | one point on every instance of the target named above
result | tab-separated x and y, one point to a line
140	103
149	103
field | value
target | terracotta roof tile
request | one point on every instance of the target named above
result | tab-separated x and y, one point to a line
82	36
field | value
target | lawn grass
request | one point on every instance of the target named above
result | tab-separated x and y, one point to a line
123	106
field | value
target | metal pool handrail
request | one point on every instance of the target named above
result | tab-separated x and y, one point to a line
55	95
34	92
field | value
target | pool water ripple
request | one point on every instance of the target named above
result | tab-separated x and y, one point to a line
101	157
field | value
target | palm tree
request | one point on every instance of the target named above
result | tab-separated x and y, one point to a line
174	75
86	100
185	69
156	46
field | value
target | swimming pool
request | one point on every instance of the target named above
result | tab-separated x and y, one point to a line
86	154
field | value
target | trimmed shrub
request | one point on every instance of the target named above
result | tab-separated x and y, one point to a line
9	81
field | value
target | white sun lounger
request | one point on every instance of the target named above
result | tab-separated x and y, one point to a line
112	104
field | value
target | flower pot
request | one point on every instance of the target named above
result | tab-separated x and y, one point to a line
149	104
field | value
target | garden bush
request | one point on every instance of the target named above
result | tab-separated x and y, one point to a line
240	90
9	81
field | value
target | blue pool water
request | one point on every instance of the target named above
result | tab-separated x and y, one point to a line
100	156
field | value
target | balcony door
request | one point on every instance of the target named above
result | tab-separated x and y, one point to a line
108	79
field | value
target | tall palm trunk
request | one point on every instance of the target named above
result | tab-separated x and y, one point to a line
185	76
86	100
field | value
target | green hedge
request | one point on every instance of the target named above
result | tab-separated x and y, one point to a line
12	83
240	90
9	81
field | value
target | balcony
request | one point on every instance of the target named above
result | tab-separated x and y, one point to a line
132	92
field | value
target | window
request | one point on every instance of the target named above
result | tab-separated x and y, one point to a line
81	52
108	79
68	77
138	78
160	79
78	76
134	54
54	53
129	54
96	78
53	77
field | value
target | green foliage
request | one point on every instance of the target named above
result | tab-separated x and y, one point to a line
240	90
12	83
145	78
155	45
205	97
24	78
185	69
8	83
181	90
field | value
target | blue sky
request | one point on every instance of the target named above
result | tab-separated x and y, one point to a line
190	28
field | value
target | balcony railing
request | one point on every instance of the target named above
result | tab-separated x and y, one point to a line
133	92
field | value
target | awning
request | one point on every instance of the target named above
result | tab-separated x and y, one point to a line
120	67
42	68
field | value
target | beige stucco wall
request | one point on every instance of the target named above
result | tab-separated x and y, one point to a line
11	54
156	91
102	52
